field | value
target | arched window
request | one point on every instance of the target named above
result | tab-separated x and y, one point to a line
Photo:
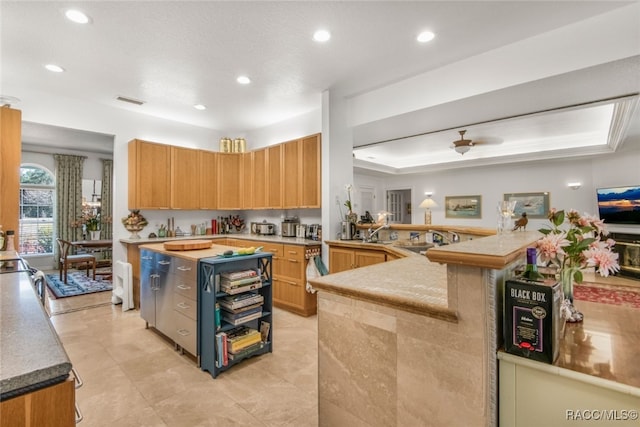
37	186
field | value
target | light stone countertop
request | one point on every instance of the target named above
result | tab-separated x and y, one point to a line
31	354
417	283
241	236
411	283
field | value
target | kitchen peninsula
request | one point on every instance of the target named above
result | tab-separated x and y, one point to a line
415	341
34	367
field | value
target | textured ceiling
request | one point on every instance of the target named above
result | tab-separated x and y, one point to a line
173	55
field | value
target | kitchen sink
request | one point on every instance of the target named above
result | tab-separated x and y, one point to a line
414	246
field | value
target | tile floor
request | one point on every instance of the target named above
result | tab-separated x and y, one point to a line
134	377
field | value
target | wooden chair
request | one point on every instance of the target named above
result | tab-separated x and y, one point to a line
67	260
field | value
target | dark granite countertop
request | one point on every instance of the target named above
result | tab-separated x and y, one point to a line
31	354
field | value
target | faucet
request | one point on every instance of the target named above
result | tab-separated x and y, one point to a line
369	237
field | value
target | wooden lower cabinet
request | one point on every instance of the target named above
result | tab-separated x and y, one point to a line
342	259
52	406
289	278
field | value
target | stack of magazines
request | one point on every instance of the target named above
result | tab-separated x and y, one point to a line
236	282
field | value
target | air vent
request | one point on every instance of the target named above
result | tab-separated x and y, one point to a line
130	100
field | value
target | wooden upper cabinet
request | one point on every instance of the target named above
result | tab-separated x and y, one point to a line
292	168
10	158
185	178
260	178
229	179
247	180
275	174
207	161
149	175
311	172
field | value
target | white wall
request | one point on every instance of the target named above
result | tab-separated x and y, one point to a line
618	169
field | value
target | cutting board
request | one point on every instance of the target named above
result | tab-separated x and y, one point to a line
187	245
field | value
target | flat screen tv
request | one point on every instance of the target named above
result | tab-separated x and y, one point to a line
619	205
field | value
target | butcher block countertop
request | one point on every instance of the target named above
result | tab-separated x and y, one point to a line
31	354
192	255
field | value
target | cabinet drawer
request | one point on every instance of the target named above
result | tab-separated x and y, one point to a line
186	332
184	268
293	252
293	264
185	286
275	248
186	306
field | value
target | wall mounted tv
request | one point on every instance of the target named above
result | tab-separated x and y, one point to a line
619	205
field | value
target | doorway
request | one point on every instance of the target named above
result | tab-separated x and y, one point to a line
399	204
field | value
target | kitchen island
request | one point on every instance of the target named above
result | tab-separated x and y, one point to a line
415	341
34	367
289	253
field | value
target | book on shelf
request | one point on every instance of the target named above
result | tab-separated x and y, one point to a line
239	282
245	351
236	302
242	319
248	308
241	274
222	359
241	289
264	330
242	337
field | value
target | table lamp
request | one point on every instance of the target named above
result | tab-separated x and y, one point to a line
427	204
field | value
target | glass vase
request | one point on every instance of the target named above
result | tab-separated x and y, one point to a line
569	311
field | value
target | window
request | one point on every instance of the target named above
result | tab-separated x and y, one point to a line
37	187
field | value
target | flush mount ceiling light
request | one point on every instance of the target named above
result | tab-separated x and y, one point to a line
425	36
54	68
321	36
77	16
243	80
8	101
200	107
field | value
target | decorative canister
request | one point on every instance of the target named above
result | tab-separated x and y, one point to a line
225	145
239	145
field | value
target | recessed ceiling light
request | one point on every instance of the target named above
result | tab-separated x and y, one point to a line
55	68
199	107
425	36
321	35
243	80
76	16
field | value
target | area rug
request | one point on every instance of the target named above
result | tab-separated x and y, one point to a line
628	297
77	284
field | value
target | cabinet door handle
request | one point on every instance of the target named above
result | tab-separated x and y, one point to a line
76	378
183	287
182	268
147	258
183	305
293	260
79	416
291	283
293	252
164	262
183	332
154	280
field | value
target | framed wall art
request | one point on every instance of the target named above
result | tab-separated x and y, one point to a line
463	207
536	205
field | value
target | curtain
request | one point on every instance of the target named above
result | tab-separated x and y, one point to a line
68	198
107	199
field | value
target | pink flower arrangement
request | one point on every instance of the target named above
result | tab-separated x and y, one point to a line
581	246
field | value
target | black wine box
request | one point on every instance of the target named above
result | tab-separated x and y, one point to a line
532	319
